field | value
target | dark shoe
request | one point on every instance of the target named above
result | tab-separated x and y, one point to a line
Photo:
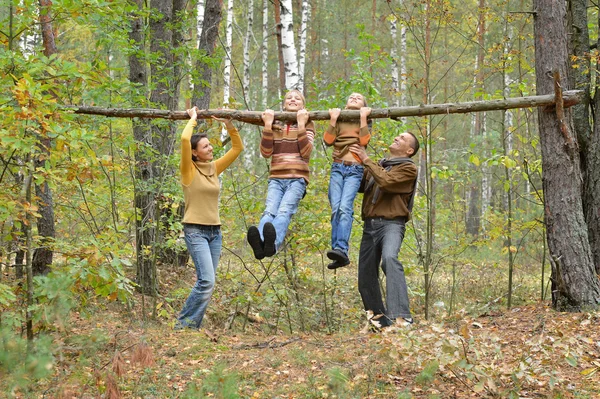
378	322
337	255
270	235
336	263
255	242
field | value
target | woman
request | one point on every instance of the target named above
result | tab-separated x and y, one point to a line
201	223
289	146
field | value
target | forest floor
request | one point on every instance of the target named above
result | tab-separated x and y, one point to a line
529	351
526	352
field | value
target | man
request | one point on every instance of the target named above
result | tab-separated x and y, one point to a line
388	188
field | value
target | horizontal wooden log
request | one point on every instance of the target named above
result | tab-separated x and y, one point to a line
570	98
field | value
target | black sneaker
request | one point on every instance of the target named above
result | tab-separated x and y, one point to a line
255	242
336	263
270	235
337	255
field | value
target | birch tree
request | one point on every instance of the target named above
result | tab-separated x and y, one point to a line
265	54
394	57
288	46
246	60
302	39
227	67
199	20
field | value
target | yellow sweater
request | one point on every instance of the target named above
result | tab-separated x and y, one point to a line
200	180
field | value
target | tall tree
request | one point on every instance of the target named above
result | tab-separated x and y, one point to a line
575	285
202	73
302	40
227	67
476	191
588	134
288	44
157	138
394	57
43	255
265	54
246	76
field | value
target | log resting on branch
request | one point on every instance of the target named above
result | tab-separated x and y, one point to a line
570	98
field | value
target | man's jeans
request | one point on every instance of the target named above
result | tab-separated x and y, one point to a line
283	197
204	245
381	243
343	186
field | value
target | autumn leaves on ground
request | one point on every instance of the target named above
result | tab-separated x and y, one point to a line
529	351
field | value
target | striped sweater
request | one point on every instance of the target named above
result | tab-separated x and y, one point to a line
289	150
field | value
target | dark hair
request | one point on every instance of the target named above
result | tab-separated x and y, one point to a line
415	145
195	140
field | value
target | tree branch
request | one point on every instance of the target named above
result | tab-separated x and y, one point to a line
570	98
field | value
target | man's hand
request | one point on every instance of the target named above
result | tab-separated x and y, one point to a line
359	151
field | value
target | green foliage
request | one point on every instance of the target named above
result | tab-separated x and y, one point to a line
21	362
220	384
428	374
338	382
7	296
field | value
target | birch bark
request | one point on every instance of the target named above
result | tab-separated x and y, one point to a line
290	56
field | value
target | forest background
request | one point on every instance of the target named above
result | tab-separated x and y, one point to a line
90	206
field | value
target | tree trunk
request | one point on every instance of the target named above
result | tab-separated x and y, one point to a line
302	40
265	54
277	8
403	71
288	45
210	31
199	20
475	204
575	284
588	136
42	257
246	79
394	57
142	133
227	67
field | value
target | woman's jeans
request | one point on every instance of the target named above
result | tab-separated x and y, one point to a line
381	243
204	245
283	197
344	182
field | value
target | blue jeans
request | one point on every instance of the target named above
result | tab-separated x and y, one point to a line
283	197
344	182
381	243
204	245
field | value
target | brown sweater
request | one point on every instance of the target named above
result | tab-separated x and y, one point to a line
200	180
396	186
343	134
289	149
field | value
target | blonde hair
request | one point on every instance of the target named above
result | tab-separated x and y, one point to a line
292	91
